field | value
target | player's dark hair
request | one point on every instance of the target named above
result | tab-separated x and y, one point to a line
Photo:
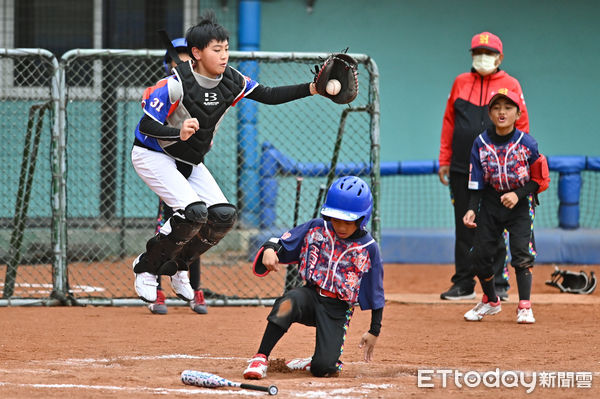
204	31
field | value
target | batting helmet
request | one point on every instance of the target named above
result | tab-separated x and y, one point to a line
180	45
349	198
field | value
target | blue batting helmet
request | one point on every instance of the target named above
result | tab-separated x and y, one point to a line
349	198
180	45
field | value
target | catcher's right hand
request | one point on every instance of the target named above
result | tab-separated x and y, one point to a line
342	67
188	128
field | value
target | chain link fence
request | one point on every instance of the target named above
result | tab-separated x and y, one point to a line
29	98
75	214
270	161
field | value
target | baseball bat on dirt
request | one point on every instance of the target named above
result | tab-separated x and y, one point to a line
209	380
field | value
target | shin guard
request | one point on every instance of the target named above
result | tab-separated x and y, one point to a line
221	219
162	249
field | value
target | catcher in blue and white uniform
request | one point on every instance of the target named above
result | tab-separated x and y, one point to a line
181	116
340	264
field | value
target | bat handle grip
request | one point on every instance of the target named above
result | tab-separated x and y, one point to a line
272	389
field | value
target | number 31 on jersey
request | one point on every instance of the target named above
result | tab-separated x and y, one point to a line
157	104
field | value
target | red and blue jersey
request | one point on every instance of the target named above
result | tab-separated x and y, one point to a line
351	268
163	103
503	166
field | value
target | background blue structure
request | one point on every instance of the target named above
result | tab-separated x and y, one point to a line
248	146
418	245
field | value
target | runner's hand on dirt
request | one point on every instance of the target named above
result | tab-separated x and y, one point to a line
367	343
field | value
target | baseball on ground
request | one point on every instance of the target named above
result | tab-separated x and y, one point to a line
333	87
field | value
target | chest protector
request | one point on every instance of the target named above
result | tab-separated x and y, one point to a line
206	105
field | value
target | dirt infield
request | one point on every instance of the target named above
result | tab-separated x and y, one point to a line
126	352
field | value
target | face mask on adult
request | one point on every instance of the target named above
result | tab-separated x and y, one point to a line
485	64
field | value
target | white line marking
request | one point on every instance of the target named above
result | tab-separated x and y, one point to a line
205	356
87	361
201	391
48	287
405	368
333	394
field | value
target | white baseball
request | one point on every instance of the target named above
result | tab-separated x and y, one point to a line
333	87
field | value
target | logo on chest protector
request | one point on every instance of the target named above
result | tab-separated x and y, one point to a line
210	99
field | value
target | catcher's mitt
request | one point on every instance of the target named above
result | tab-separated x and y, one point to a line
574	283
342	67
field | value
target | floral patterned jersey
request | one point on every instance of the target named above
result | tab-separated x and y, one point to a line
352	268
503	166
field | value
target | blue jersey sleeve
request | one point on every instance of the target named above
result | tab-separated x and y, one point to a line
371	294
532	144
156	102
250	86
476	178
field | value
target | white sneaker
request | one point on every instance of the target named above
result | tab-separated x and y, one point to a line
524	313
181	285
145	284
482	309
257	369
299	364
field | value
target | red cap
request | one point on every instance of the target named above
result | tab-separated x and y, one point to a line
511	95
488	41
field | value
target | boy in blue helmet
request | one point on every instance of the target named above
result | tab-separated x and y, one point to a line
340	264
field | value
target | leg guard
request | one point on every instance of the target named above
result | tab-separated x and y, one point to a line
221	218
572	282
196	212
162	249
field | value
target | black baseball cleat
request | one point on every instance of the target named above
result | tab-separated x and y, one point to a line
456	293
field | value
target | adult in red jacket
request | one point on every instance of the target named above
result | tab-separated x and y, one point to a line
466	116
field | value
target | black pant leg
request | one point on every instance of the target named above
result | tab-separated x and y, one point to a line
500	264
298	305
463	274
332	317
522	240
195	274
488	233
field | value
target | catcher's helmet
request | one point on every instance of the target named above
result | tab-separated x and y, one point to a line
180	45
349	198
